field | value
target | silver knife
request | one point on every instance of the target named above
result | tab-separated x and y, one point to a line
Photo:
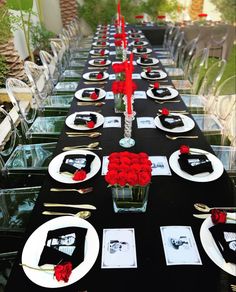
201	216
80	206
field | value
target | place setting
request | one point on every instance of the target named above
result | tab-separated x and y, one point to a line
96	76
152	74
162	93
140	50
99	62
90	94
138	43
100	44
195	164
144	60
99	52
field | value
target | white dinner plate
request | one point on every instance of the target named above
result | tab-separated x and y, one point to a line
187	121
143	43
154	62
91	62
86	76
95	44
78	94
201	177
35	244
173	92
212	250
70	121
148	51
55	164
92	52
163	75
139	36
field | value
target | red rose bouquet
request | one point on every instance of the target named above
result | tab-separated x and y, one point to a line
129	175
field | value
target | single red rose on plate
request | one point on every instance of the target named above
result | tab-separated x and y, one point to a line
149	69
156	85
165	111
63	271
184	149
102	52
79	175
94	95
99	76
103	62
90	124
218	216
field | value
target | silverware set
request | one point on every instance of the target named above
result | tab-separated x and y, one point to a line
205	209
81	214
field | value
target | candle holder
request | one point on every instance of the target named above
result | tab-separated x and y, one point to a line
127	141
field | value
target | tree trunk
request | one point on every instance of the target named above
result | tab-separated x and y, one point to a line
68	10
195	8
7	49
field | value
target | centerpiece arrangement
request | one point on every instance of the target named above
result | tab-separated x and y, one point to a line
129	176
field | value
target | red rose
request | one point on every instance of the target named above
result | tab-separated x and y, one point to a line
113	166
103	62
132	178
156	85
94	95
136	167
63	271
125	160
99	76
118	43
218	216
184	149
144	178
90	124
111	177
146	167
79	175
122	178
145	161
118	67
124	167
143	155
165	111
145	56
149	69
114	155
139	16
102	52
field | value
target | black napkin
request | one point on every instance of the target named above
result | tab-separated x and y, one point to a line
141	50
195	163
146	60
138	43
63	245
73	162
98	62
171	121
88	92
135	35
97	51
225	239
94	75
153	74
82	119
101	43
161	92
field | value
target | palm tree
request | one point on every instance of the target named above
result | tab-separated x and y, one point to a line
68	10
13	61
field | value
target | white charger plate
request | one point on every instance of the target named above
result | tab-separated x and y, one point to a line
211	248
91	62
78	94
154	62
163	75
201	177
148	51
174	93
92	52
70	121
35	244
86	76
187	121
56	162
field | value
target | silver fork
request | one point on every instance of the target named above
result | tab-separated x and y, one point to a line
233	287
181	137
80	191
161	102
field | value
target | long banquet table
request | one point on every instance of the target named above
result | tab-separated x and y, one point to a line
170	202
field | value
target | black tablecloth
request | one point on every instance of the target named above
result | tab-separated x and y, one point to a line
170	202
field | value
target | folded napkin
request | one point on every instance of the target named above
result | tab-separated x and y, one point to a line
138	43
83	119
195	163
135	35
171	121
141	50
98	51
63	245
153	74
224	235
101	43
73	162
161	92
96	75
91	92
100	62
146	60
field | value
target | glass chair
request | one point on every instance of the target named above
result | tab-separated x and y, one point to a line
34	126
217	41
50	64
199	102
49	103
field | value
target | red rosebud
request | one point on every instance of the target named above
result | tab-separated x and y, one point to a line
145	56
114	155
218	216
111	177
99	76
103	62
125	160
143	155
149	69
113	166
137	40
139	47
63	271
156	85
94	95
144	178
165	111
132	178
90	124
102	52
79	175
122	178
184	149
118	43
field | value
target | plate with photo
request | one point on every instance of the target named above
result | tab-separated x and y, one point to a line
87	76
173	93
99	62
162	75
88	91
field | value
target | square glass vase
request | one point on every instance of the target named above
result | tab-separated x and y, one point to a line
130	199
119	104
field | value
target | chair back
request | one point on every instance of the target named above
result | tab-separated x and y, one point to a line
50	64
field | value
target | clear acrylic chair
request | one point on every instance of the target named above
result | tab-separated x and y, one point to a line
50	64
49	102
217	41
34	125
198	103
